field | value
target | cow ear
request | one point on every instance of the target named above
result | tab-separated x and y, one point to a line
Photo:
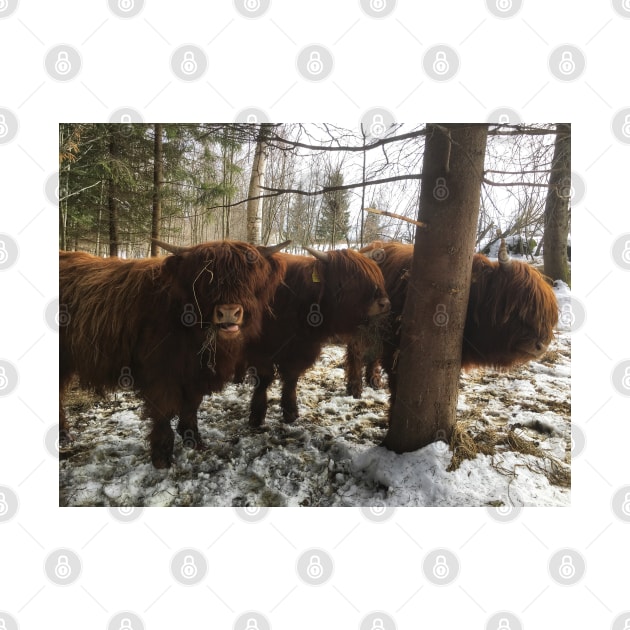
171	271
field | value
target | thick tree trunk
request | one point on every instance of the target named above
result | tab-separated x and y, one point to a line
158	179
429	362
257	179
557	208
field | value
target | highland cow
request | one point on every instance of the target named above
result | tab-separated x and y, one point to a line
331	294
170	328
511	316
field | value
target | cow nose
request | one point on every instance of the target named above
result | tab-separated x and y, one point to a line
228	314
540	346
384	305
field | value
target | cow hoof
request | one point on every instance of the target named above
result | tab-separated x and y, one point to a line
256	420
160	461
192	440
289	418
354	392
376	382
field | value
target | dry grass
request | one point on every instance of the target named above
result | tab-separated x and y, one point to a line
470	439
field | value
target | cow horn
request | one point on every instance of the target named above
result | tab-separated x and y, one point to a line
272	249
174	249
504	257
323	256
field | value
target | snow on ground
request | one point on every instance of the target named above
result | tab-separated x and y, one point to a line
513	446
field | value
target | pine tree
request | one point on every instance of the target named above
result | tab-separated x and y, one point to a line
334	217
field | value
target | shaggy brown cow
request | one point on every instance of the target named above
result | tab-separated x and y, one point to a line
329	295
512	313
171	328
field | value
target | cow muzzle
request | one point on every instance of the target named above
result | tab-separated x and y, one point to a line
228	318
535	348
379	307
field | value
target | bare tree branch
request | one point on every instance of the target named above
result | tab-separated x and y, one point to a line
395	216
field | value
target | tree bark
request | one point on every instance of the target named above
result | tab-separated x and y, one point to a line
257	179
158	179
423	408
557	208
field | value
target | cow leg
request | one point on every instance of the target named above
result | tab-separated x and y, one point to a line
187	426
354	361
161	437
65	437
289	398
258	406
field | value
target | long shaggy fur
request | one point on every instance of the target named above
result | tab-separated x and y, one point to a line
316	301
147	325
510	309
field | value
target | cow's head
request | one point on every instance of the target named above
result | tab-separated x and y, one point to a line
353	287
512	313
223	284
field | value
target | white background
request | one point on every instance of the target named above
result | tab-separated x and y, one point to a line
252	63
